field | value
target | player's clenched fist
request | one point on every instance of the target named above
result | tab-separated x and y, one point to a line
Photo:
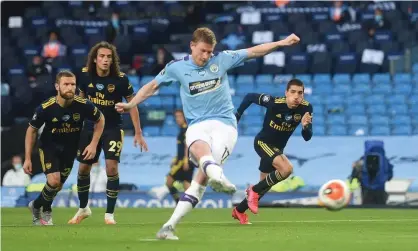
306	119
123	107
27	167
291	39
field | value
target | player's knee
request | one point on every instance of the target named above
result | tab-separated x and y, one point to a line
285	168
54	179
84	169
111	168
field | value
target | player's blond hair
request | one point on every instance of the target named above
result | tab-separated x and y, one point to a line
114	67
63	74
205	35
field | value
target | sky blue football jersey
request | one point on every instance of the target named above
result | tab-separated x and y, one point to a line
204	91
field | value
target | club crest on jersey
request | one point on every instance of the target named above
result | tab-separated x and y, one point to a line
297	117
76	116
66	117
288	117
111	88
201	72
99	87
214	68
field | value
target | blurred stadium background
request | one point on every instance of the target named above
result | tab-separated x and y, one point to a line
358	60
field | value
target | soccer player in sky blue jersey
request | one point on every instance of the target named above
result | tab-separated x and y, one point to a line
208	108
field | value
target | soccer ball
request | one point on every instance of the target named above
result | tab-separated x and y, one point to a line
334	195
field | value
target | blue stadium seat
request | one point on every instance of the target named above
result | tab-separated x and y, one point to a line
169	120
153	101
355	99
318	109
151	131
244	89
402	130
381	78
415	78
414	120
342	89
251	130
319	119
415	68
324	88
314	99
169	130
335	119
376	120
253	110
377	109
337	130
359	120
361	89
318	130
413	100
402	78
356	109
134	80
244	80
173	89
179	105
380	131
252	119
305	78
382	89
374	99
146	79
361	78
343	79
403	89
236	100
333	100
413	109
231	80
322	79
358	130
264	79
397	99
398	109
415	132
400	120
282	78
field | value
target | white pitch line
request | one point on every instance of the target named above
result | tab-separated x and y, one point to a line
235	222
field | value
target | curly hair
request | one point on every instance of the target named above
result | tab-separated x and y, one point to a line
114	67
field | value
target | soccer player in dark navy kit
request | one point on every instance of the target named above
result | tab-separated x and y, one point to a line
283	115
102	82
63	117
181	168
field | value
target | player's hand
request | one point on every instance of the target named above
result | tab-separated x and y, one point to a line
123	107
139	139
89	152
291	40
306	119
27	167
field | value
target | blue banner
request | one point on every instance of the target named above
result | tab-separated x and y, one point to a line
316	161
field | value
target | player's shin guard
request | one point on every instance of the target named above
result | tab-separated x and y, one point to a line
83	187
112	191
210	168
243	206
187	202
272	179
174	193
45	197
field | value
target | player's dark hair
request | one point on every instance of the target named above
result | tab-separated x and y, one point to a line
296	82
63	73
114	67
205	35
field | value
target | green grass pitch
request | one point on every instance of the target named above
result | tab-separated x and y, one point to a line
215	230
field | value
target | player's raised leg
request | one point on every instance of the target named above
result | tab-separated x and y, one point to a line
173	191
283	170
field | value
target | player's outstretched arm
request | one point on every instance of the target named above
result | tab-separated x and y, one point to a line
256	98
30	140
264	49
145	92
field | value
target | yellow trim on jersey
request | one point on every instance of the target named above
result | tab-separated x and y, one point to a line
305	103
48	103
121	74
280	100
42	158
174	168
84	69
80	99
265	147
